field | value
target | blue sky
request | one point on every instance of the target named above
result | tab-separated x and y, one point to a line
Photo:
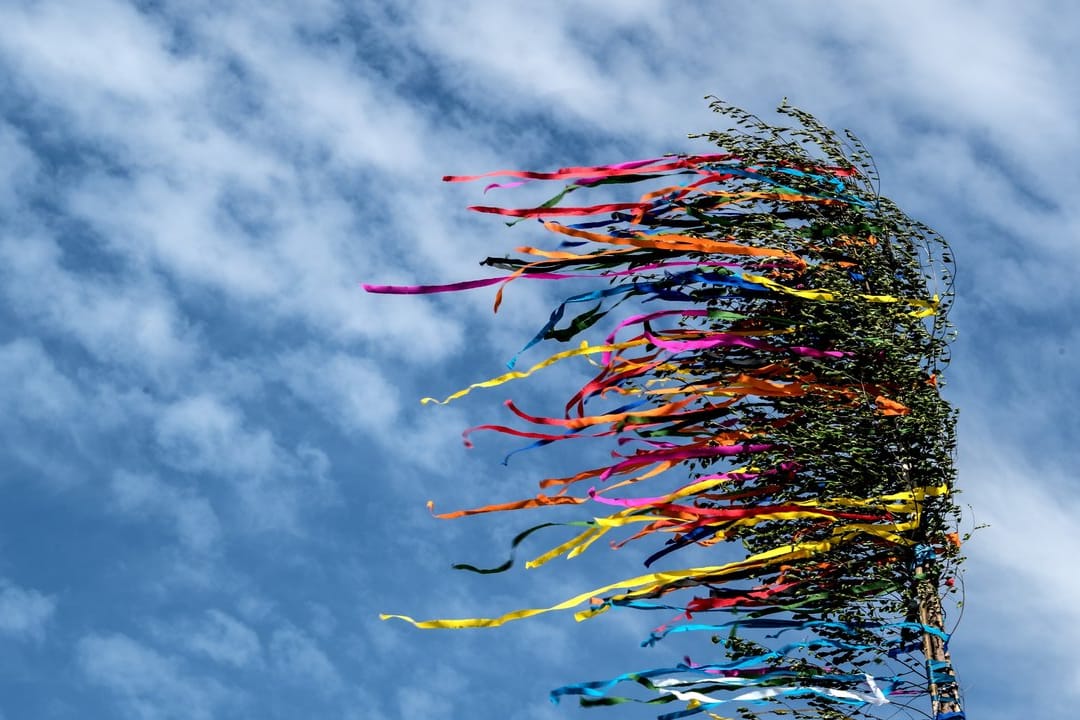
213	461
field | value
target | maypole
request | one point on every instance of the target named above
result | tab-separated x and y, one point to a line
770	380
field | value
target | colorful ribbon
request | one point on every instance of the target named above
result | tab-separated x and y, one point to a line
790	373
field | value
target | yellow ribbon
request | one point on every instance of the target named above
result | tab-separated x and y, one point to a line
905	502
584	349
929	307
645	584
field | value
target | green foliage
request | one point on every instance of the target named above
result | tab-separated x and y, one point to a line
845	449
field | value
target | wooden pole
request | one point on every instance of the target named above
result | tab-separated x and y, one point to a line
944	690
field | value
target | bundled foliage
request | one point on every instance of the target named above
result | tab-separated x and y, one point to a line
776	386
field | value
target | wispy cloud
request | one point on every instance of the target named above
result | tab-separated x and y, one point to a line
297	658
217	636
149	685
201	434
40	399
347	390
118	322
24	613
195	522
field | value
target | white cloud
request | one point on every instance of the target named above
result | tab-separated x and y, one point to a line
993	76
41	426
348	390
24	613
345	114
192	516
227	640
103	63
31	385
149	685
229	200
203	435
323	622
130	323
219	637
297	657
1019	627
20	169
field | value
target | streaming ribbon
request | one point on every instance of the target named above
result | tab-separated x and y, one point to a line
792	355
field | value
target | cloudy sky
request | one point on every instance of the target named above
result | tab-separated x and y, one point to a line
213	462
